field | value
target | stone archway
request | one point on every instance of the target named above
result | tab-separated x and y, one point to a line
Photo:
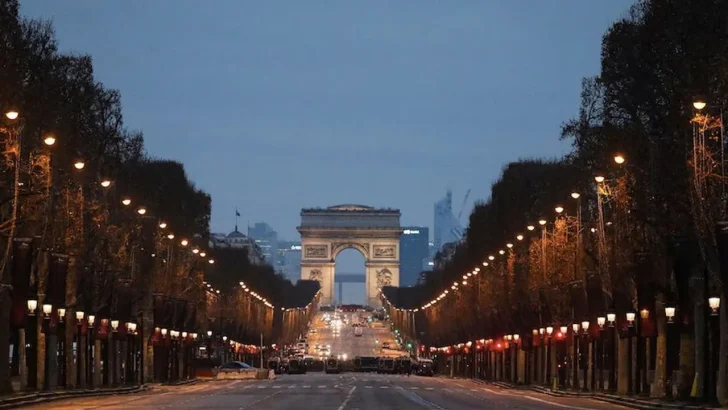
374	232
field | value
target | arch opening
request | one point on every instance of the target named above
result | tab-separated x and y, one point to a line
350	276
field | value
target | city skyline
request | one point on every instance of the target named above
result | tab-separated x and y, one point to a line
349	101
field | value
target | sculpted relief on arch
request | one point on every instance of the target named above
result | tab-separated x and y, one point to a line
316	275
384	278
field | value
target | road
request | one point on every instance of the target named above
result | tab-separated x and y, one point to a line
343	341
348	391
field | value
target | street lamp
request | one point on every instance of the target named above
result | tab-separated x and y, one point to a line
47	309
106	183
599	179
126	201
559	209
12	114
211	261
163	224
32	306
114	325
611	317
170	236
530	227
79	316
630	318
184	242
670	313
49	140
519	237
699	103
575	195
601	320
142	211
619	159
714	303
79	165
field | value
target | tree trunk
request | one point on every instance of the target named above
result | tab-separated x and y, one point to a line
698	388
722	384
623	367
657	388
687	365
6	386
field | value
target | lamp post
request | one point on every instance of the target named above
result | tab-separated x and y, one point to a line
575	340
585	328
601	320
611	317
79	363
32	342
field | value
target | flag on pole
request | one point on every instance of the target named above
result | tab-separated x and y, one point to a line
237	213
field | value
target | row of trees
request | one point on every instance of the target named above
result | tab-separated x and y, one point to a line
75	181
632	217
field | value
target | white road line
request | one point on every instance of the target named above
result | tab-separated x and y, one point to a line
262	387
383	387
247	387
346	400
306	387
322	387
429	388
566	406
367	387
277	387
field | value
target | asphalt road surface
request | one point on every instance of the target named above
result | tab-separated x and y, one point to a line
343	341
348	391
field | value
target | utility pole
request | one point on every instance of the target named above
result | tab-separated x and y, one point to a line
261	350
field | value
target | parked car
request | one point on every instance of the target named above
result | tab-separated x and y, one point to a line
235	370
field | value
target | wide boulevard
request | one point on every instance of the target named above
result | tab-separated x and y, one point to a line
352	391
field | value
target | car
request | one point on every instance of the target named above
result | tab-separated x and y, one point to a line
386	345
425	367
297	366
331	365
235	370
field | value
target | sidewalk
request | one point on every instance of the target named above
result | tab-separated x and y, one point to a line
24	399
633	402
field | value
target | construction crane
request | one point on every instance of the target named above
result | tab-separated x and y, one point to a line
457	229
462	207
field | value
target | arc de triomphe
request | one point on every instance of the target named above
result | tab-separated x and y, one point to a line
374	232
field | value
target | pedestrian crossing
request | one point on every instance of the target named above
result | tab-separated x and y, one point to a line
273	386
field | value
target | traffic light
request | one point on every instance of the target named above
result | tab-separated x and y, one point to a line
409	345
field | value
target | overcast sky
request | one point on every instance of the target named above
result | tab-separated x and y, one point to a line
277	105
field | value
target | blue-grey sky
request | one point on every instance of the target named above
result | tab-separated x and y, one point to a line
277	105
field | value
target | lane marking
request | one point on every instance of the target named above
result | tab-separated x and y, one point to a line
322	387
258	401
414	388
383	387
367	387
277	387
429	388
346	400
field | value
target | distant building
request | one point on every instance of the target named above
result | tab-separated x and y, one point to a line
413	245
288	262
267	239
237	240
447	226
428	263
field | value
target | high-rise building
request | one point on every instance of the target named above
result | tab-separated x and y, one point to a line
447	226
288	262
413	250
267	239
